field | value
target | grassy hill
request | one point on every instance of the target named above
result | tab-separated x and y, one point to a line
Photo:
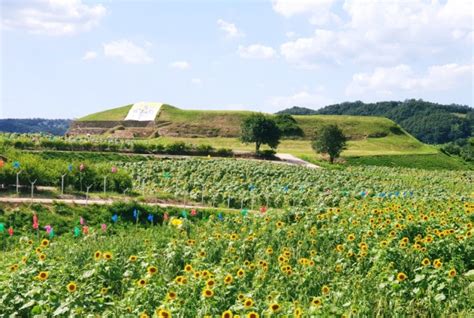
226	123
114	114
372	140
429	122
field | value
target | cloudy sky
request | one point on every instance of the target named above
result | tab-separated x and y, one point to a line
68	58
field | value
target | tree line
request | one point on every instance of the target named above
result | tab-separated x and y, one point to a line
429	122
56	127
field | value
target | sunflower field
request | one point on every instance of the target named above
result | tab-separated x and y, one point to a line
243	183
373	257
359	242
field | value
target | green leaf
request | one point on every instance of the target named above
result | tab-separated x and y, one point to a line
440	297
88	273
28	304
61	310
419	278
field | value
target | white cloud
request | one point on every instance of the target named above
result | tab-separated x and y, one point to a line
256	51
127	51
89	55
303	98
385	81
318	10
196	81
229	28
180	65
51	17
387	32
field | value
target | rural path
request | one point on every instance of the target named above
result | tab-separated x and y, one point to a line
11	200
290	159
284	157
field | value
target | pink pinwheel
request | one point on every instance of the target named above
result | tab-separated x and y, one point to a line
81	167
48	228
104	227
82	221
35	222
114	169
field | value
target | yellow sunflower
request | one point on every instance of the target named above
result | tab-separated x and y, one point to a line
248	303
275	307
152	270
43	276
141	282
227	314
163	313
208	293
71	287
97	255
401	277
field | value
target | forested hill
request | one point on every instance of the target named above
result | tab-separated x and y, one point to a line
35	125
429	122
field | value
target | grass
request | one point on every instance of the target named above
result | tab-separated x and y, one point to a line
174	114
114	114
421	161
226	123
390	145
373	140
355	126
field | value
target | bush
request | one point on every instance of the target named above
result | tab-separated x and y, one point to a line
139	147
224	152
267	154
177	148
204	149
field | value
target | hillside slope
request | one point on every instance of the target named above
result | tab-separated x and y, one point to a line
429	122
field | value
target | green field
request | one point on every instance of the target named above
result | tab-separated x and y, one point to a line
391	145
112	114
227	122
372	140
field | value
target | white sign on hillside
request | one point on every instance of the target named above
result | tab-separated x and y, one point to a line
143	111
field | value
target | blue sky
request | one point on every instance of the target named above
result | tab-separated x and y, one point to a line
65	59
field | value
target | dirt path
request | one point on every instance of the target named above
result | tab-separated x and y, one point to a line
292	160
11	200
284	157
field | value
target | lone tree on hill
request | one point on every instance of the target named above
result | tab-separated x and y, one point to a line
330	140
260	129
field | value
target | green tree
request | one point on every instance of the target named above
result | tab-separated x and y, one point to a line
330	140
260	129
288	126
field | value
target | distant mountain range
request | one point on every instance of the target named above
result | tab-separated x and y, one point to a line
429	122
35	125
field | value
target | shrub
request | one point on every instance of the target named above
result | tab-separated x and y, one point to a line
224	152
177	148
204	149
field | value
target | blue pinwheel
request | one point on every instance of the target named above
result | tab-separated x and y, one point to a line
150	218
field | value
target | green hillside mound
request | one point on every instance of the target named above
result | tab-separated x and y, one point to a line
114	114
175	122
372	140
